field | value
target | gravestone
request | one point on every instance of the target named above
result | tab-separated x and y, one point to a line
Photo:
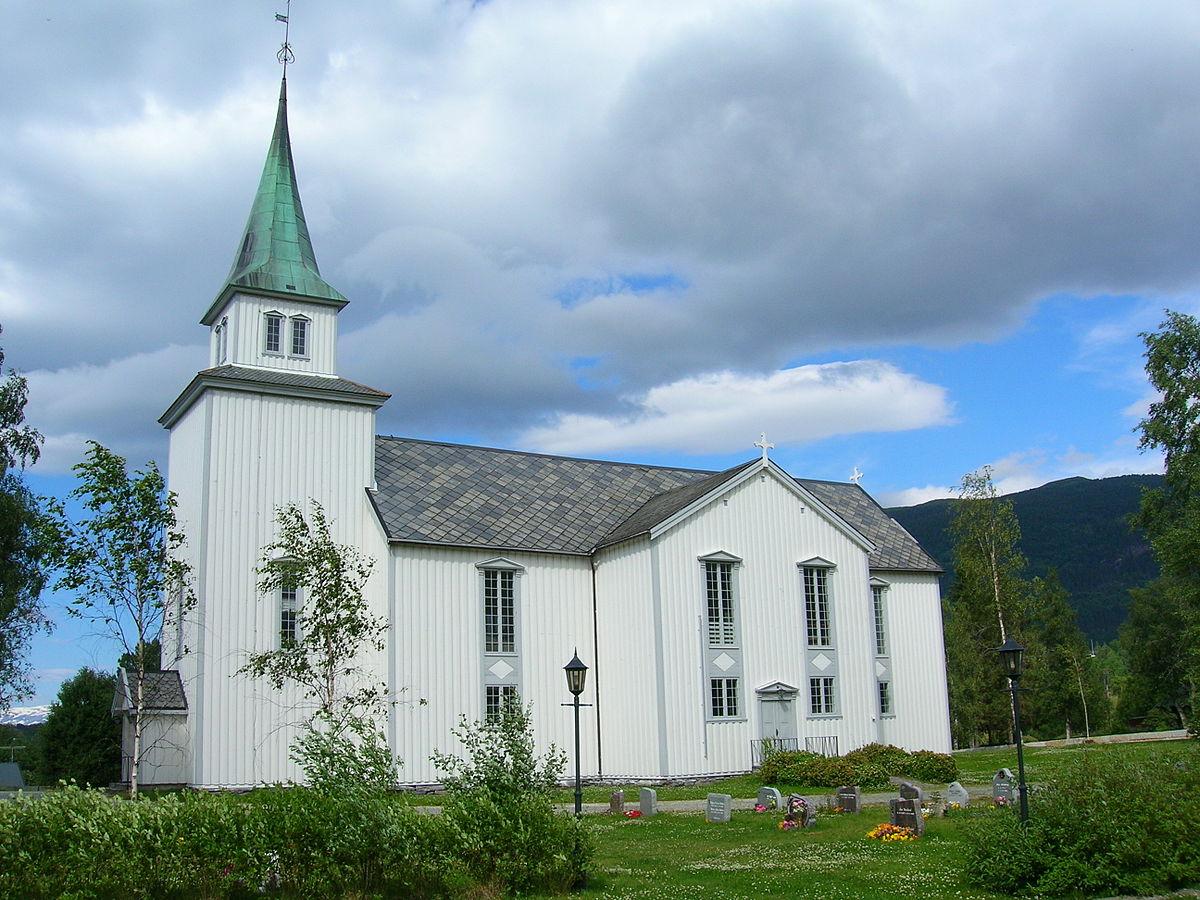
648	801
1002	788
718	807
909	791
10	777
616	803
957	794
906	813
769	798
849	799
801	810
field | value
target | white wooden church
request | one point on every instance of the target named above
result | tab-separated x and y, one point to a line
713	609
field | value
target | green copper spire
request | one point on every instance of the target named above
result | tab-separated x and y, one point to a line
276	254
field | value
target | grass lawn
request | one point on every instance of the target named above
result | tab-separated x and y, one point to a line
676	855
975	767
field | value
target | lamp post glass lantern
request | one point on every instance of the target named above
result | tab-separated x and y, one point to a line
576	673
1012	657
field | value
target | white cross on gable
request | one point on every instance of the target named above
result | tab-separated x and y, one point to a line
762	442
856	476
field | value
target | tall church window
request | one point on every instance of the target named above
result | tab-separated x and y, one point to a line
289	601
816	606
273	333
881	647
499	611
718	582
299	336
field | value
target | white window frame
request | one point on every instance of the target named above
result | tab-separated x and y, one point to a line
494	698
720	603
822	695
818	606
289	613
500	625
887	703
879	618
273	328
724	698
298	329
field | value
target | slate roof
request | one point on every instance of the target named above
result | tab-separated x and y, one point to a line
163	691
280	381
458	495
895	549
507	500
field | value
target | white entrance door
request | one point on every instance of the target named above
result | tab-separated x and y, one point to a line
778	716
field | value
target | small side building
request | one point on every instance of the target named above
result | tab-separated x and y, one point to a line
166	743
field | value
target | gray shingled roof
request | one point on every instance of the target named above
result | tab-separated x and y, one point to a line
506	500
277	381
286	378
466	496
895	548
163	691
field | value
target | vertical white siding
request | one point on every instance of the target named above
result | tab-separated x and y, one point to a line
246	334
438	640
264	452
917	648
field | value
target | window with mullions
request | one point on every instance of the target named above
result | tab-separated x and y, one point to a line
821	698
289	595
299	336
816	606
880	621
499	612
718	580
495	696
273	333
724	697
885	698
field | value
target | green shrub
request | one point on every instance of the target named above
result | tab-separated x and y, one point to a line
499	813
868	767
1102	826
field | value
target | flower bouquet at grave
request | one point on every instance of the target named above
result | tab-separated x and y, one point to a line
800	814
891	833
633	814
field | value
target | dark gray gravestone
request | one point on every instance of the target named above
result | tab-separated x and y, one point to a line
10	777
906	813
957	794
769	798
616	803
718	807
909	791
648	801
849	799
1002	788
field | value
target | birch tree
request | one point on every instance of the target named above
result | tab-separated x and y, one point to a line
982	608
341	740
120	558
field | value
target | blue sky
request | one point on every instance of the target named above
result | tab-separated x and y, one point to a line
908	238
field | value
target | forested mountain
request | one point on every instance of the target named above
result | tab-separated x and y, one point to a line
1079	526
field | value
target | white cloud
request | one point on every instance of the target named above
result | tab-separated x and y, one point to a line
720	412
915	496
109	403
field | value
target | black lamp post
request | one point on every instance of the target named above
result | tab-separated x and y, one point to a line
1012	657
576	676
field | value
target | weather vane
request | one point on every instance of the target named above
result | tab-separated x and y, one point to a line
285	54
